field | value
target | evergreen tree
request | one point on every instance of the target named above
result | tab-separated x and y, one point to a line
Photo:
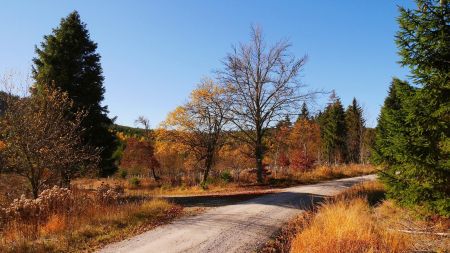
3	96
304	114
391	131
413	132
67	59
355	129
333	131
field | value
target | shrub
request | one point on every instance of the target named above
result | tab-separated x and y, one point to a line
107	194
123	173
204	185
226	176
134	182
50	201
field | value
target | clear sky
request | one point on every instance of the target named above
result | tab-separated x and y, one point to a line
154	52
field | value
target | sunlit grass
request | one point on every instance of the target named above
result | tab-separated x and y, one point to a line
358	220
96	226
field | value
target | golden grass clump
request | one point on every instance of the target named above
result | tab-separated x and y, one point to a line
358	220
347	227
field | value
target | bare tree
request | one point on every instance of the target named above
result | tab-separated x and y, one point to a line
199	123
41	143
264	87
141	120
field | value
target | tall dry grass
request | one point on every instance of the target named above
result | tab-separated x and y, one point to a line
360	220
78	221
347	227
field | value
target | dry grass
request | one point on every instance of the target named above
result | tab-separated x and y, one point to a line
282	178
96	225
333	172
348	227
422	230
283	239
356	221
372	191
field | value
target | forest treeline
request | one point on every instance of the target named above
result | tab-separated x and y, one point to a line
251	117
298	145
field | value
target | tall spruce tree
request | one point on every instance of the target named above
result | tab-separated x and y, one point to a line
354	122
392	131
333	131
304	113
413	138
3	96
67	59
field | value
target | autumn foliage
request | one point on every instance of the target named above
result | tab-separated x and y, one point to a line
139	157
305	142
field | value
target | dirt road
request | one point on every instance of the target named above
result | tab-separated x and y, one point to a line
242	227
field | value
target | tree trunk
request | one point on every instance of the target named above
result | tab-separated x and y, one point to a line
208	165
154	174
64	181
34	188
259	162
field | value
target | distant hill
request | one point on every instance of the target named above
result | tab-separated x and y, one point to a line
128	130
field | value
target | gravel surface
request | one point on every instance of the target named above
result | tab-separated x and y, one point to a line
240	227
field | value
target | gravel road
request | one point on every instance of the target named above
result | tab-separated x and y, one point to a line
241	227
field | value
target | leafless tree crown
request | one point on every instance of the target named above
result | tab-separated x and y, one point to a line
263	82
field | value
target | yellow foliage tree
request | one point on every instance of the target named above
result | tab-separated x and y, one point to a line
198	124
304	142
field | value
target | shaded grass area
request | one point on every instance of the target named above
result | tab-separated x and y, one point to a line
361	220
97	226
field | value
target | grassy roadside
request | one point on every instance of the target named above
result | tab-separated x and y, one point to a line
96	225
359	220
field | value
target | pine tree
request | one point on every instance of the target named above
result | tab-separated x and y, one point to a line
333	131
304	113
67	59
354	122
413	133
3	96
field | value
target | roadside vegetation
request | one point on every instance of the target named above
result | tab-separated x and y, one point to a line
62	220
361	220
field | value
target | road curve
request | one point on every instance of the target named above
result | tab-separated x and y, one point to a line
241	227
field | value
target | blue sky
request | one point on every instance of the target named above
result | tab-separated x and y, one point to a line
155	52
